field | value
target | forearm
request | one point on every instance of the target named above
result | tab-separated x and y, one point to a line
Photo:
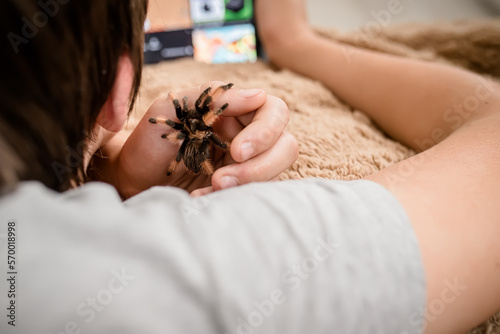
416	102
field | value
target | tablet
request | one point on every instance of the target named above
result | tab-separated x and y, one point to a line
210	31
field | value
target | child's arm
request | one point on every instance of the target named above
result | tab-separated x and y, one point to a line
417	103
450	191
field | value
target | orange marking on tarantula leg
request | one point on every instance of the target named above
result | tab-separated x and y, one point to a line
210	118
174	165
222	88
221	110
215	93
158	120
207	167
175	137
169	122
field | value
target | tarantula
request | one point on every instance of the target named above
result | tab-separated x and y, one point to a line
195	131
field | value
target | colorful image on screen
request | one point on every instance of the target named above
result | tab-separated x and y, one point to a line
230	44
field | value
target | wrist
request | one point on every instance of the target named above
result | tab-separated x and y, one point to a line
281	49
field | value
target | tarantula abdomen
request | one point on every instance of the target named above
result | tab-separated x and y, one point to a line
195	131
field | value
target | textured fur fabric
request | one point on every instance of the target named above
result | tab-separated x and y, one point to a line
338	142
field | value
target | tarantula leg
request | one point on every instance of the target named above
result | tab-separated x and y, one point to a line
181	115
182	150
202	98
204	149
177	126
221	89
217	141
210	99
174	137
175	164
210	118
185	104
203	103
207	167
178	110
227	87
206	105
222	109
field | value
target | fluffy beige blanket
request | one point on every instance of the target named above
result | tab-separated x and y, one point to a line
338	142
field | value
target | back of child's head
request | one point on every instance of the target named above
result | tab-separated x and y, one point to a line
58	64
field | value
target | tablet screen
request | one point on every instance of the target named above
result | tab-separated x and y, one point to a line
210	31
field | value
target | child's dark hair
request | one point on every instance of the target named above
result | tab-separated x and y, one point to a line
58	64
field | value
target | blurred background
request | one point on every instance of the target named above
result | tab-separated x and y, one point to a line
350	14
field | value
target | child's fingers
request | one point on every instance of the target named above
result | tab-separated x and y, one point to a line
264	167
261	134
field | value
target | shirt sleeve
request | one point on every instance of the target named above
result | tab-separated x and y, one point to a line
313	256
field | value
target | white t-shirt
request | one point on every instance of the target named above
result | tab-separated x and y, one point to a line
305	257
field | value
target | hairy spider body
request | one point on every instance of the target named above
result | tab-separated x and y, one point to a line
195	131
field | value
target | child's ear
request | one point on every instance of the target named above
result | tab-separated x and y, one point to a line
114	113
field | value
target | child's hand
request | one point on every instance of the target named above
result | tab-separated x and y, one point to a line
254	123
